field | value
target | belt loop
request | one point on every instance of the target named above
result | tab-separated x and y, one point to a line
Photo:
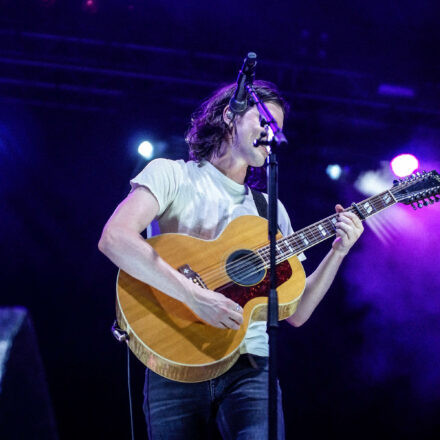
252	361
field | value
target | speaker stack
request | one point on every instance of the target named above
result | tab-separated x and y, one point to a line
25	407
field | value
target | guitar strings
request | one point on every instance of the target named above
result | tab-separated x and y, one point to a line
235	268
263	252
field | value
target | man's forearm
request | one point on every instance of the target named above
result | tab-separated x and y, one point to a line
317	285
131	253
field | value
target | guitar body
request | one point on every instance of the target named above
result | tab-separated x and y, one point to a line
172	341
168	337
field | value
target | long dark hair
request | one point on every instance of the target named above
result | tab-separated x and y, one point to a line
208	129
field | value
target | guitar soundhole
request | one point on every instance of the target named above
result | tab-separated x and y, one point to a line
245	267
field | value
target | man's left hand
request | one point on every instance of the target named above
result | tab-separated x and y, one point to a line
348	229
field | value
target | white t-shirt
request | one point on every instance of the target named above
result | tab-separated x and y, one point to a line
199	200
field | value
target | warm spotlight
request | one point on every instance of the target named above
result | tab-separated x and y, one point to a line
404	164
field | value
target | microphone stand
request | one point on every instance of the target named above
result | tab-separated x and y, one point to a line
278	139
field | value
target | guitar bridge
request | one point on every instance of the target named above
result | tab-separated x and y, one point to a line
191	275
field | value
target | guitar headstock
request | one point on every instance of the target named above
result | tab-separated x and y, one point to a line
419	189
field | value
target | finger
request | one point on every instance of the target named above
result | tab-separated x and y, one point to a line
237	308
346	227
344	239
344	230
233	324
353	217
342	235
339	208
229	324
354	223
234	308
236	317
346	220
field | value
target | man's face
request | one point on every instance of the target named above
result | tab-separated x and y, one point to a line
247	129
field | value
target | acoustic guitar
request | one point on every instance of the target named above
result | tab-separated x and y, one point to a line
172	341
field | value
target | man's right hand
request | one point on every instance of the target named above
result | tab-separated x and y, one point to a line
214	308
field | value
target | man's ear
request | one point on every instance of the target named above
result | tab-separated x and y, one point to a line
228	116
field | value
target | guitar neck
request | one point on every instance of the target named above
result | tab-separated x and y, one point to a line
324	229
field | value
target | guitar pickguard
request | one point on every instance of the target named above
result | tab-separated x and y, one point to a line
242	294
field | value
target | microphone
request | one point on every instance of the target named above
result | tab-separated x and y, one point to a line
238	103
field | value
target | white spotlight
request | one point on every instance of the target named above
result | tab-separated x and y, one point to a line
146	149
373	182
334	171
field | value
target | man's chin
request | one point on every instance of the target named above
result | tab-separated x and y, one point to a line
261	159
257	163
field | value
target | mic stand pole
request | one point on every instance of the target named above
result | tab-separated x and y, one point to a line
278	139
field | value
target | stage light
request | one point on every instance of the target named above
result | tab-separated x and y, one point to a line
396	90
146	149
373	182
90	6
404	164
334	171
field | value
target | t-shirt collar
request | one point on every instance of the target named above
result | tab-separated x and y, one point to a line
225	180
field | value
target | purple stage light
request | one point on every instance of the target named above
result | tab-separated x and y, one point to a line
396	90
90	6
393	276
404	164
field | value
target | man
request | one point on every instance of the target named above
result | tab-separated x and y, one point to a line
200	198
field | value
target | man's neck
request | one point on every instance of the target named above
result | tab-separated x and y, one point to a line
231	167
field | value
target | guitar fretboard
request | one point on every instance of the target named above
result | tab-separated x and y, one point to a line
308	237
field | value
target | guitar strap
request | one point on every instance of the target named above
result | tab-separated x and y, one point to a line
260	203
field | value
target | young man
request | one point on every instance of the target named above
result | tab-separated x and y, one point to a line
200	198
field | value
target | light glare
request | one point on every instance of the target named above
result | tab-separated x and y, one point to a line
404	164
373	182
146	149
334	171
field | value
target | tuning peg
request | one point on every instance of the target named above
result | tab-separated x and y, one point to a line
431	200
437	198
414	206
425	202
420	205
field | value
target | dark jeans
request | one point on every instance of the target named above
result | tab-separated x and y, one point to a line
236	402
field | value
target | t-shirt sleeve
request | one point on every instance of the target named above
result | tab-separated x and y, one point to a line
163	178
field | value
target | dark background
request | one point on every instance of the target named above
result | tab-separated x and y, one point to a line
80	87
